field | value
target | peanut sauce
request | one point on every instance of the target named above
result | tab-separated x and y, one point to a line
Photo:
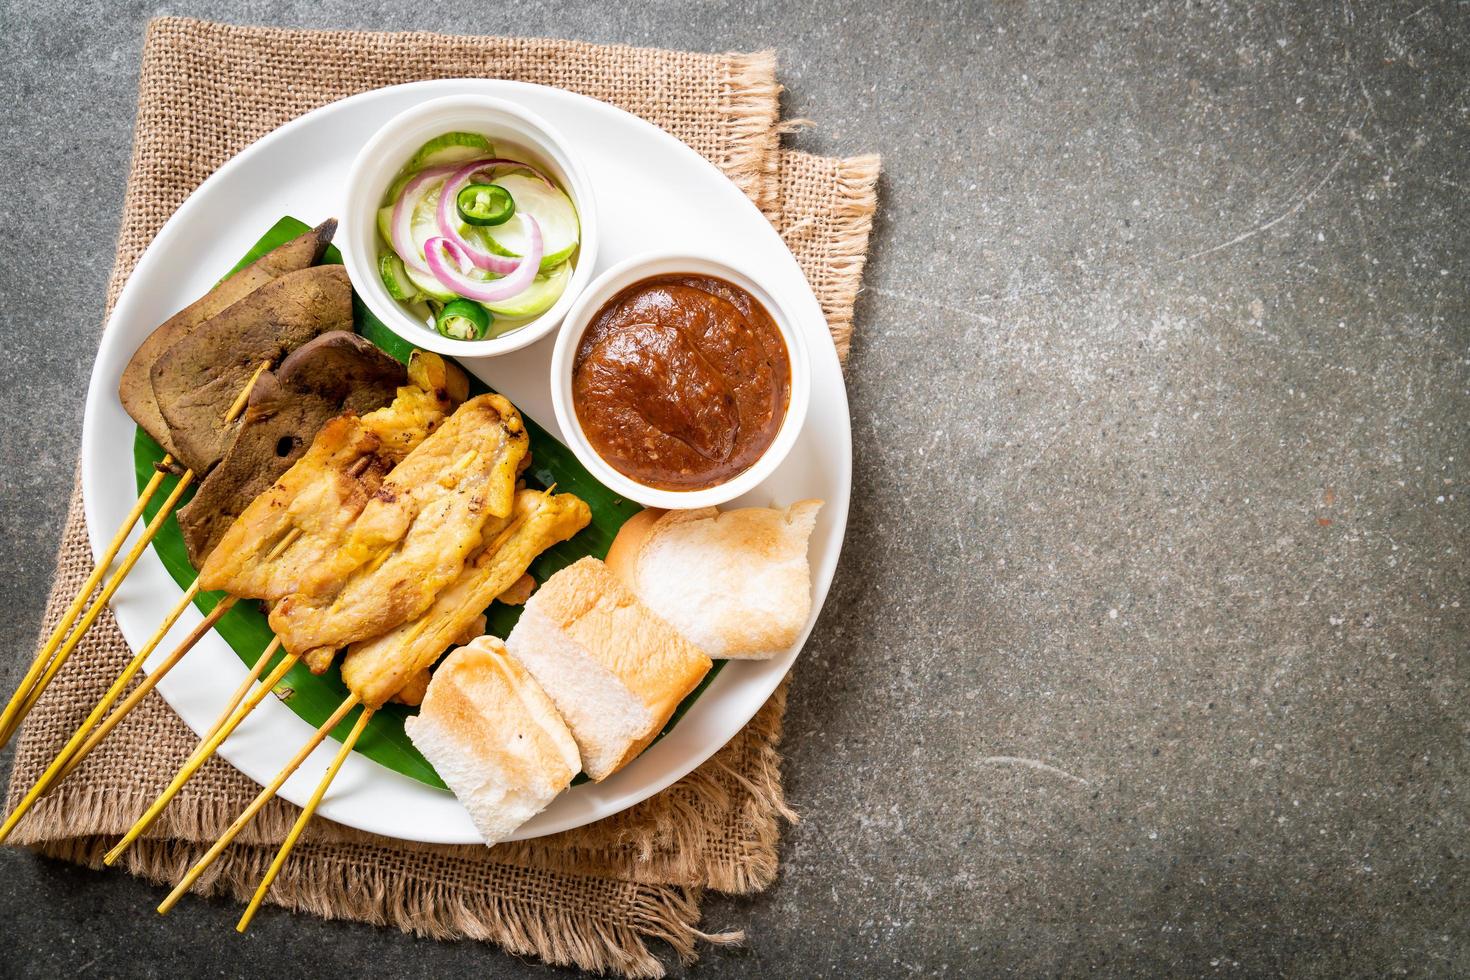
681	382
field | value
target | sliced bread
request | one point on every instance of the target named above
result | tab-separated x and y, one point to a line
495	737
615	671
737	583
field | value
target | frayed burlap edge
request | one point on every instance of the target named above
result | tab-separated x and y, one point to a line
327	885
753	97
833	240
857	192
340	873
667	839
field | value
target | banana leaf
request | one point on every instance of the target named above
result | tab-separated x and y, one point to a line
313	697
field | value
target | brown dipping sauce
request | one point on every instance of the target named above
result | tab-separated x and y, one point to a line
681	382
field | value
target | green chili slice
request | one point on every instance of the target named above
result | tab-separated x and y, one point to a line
463	319
485	204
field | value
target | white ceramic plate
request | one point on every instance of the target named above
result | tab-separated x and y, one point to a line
653	192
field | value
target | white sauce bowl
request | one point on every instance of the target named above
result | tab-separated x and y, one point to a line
564	356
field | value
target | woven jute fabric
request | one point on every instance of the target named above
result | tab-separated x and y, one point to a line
592	897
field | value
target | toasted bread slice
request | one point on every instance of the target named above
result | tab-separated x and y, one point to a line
614	669
737	584
495	737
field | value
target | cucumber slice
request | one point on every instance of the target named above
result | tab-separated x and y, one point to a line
423	226
450	148
421	231
553	211
385	225
429	286
393	274
536	298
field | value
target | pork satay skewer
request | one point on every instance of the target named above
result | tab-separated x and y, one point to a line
375	670
139	401
305	517
422	409
231	598
277	303
412	539
378	668
336	458
237	711
418	420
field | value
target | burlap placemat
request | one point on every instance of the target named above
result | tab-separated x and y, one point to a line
590	897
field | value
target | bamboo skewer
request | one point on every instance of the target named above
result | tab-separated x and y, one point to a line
261	663
229	720
255	806
113	584
238	405
148	684
304	818
45	667
283	544
84	739
43	657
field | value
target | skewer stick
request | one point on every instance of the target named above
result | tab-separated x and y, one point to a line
30	689
261	663
14	718
304	819
62	765
148	684
255	806
283	544
43	656
229	720
238	405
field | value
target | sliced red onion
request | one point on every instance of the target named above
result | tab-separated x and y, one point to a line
449	217
506	162
451	265
408	200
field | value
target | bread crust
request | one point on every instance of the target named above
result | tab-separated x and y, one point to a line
622	557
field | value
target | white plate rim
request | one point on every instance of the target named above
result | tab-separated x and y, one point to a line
656	769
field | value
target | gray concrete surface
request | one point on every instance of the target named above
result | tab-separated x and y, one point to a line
1148	652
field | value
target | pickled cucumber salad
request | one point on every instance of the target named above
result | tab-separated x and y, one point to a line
475	243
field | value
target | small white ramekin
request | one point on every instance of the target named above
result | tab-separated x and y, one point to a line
564	354
509	127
